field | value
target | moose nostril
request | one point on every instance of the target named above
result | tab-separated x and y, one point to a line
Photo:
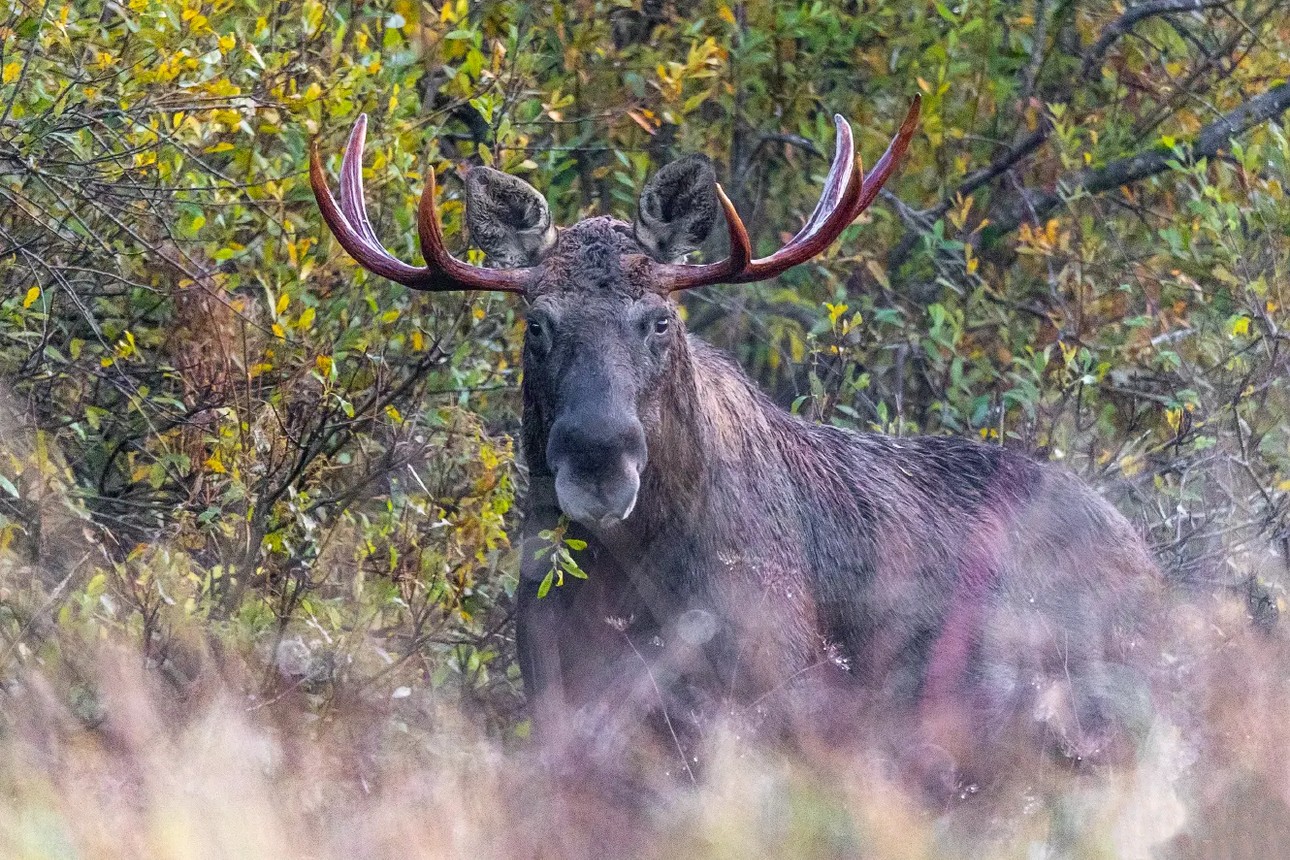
595	444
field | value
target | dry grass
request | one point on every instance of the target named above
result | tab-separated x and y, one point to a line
121	764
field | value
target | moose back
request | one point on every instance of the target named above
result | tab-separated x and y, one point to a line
741	561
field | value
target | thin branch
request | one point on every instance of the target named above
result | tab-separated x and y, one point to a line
1131	18
919	222
1125	171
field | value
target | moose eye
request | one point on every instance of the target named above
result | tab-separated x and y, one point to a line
538	336
660	325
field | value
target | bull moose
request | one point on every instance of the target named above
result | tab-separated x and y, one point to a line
736	555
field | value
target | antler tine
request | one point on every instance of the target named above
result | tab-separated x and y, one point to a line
831	216
847	193
891	159
448	267
835	184
372	258
350	225
351	182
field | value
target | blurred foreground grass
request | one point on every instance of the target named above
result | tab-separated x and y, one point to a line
105	756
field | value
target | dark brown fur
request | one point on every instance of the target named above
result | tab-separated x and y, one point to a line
807	576
932	597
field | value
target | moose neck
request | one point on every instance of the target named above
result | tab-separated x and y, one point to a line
715	432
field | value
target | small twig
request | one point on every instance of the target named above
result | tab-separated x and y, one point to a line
667	719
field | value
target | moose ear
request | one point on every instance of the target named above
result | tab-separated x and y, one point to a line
507	218
678	208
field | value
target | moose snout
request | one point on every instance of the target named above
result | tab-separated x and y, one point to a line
597	462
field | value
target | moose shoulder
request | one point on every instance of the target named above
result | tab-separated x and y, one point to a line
738	555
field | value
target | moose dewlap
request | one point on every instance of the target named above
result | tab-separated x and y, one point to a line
742	561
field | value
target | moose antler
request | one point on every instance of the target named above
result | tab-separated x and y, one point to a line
349	223
847	193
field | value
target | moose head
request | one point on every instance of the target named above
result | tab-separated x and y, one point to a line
604	343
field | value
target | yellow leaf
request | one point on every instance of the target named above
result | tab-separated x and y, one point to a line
418	342
277	330
879	274
324	364
11	72
724	13
125	347
32	295
283	301
231	119
197	22
306	319
1131	465
222	88
215	464
1241	325
1222	274
227	42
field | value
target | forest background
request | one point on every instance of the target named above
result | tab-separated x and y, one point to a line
228	453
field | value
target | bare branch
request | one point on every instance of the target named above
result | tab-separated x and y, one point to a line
1131	18
1208	143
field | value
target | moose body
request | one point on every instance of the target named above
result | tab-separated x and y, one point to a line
740	559
769	555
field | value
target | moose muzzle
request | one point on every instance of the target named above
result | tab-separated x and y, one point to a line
597	460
